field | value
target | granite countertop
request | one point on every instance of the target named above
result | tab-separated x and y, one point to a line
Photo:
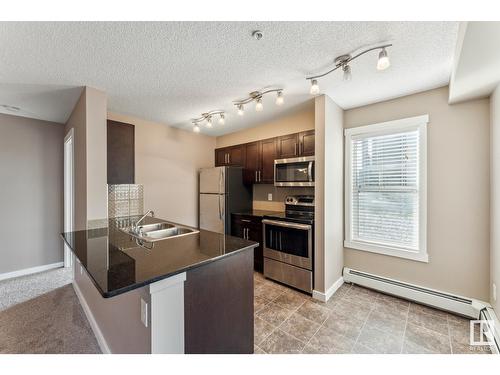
117	264
257	213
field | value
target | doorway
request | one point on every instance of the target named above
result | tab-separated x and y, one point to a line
69	196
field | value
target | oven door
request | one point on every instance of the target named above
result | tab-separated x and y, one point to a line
288	242
294	172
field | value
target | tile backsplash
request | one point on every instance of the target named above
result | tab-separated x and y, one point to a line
125	200
261	191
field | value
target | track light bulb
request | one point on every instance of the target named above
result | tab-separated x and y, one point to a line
383	60
279	99
241	111
314	87
196	128
259	107
222	119
209	122
347	72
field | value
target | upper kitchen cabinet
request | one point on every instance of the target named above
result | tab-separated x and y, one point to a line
234	156
288	146
120	152
253	162
269	152
306	143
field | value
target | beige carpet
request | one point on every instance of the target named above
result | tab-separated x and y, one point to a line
51	323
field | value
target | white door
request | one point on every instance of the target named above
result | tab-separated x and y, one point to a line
69	212
212	212
212	180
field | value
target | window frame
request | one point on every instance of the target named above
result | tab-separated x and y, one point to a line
418	123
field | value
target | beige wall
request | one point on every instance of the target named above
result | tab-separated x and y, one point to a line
295	122
328	262
31	193
167	161
495	197
88	121
78	122
97	175
458	194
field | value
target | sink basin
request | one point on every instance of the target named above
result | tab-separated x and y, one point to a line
159	231
154	227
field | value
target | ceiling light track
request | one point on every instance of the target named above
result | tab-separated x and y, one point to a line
256	96
206	118
343	61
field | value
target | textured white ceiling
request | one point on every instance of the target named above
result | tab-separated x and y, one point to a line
172	71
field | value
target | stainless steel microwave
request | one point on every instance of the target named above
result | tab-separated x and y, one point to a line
294	171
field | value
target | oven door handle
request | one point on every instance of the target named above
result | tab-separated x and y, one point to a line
287	224
309	171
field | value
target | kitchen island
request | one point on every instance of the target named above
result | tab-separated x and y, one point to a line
187	294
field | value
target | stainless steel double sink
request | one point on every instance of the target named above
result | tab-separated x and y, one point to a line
158	231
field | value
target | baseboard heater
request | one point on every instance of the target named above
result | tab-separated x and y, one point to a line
457	304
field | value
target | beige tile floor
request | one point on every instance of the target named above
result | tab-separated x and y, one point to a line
354	320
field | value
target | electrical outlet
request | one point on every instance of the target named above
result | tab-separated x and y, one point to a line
144	312
494	292
270	196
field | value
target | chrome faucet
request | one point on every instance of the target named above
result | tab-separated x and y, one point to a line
135	227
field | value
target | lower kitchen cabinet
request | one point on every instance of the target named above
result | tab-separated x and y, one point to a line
249	227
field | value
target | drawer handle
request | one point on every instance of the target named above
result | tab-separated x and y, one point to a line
245	220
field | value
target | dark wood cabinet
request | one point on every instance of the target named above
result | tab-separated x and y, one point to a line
250	227
237	156
253	162
306	143
288	146
269	154
234	155
220	157
257	158
120	152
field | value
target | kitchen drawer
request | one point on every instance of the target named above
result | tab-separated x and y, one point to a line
287	274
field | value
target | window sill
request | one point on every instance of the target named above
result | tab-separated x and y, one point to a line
395	252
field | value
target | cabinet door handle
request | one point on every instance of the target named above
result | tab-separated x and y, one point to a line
301	147
260	178
281	248
256	179
245	220
229	158
295	149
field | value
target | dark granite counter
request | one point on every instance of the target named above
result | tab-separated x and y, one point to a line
257	213
116	263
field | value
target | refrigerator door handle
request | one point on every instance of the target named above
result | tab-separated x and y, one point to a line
220	209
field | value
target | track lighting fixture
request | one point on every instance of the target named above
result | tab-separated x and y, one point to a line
314	87
347	73
279	98
258	106
207	117
256	96
383	60
344	61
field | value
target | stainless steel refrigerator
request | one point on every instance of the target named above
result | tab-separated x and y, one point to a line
222	192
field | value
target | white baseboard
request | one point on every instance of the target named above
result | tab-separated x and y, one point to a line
323	297
29	271
103	345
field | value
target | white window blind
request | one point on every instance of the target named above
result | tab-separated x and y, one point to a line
385	193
